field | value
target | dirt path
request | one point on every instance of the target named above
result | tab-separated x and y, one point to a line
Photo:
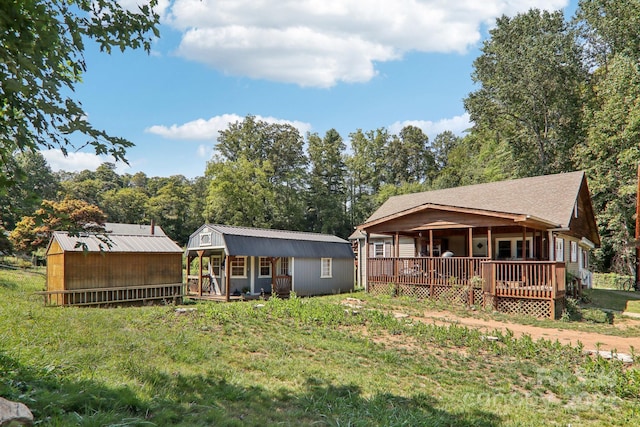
590	340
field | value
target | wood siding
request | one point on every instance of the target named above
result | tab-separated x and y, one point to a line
93	270
307	280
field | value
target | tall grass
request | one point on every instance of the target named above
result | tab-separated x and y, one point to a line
290	362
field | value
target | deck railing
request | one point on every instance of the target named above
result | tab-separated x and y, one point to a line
100	296
524	279
517	279
424	270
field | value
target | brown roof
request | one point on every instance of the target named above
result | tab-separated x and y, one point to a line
551	198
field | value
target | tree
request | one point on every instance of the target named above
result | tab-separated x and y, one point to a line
610	157
41	46
275	152
326	211
74	216
168	207
124	205
531	79
410	157
34	182
608	28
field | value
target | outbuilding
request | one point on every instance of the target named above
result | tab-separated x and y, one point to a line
235	261
129	262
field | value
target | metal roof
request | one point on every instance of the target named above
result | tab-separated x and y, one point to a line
117	242
133	229
246	241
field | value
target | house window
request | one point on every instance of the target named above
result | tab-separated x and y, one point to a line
205	239
283	267
378	250
559	249
512	248
239	267
574	251
325	268
214	267
265	267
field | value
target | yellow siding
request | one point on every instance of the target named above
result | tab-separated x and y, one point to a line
109	270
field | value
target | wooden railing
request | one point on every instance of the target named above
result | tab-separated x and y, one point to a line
98	296
424	270
524	279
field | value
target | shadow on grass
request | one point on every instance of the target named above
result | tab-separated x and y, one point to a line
196	400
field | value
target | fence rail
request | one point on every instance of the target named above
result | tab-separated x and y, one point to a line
100	296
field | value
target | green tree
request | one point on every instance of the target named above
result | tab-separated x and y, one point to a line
125	205
34	182
530	78
610	156
327	194
410	158
608	28
41	51
168	207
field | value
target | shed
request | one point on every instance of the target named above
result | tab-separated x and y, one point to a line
129	262
251	261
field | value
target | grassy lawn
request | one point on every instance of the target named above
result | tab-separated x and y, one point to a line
290	363
611	299
633	306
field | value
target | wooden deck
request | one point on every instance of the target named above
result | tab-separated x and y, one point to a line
502	285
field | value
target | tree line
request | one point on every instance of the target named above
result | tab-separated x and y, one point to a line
554	94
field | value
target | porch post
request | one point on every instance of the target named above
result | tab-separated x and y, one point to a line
524	243
200	255
489	243
364	272
227	277
470	242
552	247
396	249
273	275
431	243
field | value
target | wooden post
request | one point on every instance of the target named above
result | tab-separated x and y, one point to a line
365	273
273	275
638	232
227	277
489	243
430	243
200	255
470	242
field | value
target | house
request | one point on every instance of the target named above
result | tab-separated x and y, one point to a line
234	261
509	240
129	262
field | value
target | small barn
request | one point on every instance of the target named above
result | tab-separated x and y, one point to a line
127	263
235	261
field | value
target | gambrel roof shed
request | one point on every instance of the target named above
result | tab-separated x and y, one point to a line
246	241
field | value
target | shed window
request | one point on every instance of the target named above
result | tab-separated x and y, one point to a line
239	267
205	239
325	268
214	267
265	267
283	267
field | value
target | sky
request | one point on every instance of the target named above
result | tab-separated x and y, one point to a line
315	64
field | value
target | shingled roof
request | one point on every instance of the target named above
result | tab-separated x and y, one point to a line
551	198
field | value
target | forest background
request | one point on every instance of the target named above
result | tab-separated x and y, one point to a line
554	95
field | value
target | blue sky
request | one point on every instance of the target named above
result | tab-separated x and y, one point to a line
317	64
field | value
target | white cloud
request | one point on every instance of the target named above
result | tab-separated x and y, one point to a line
79	161
458	125
202	129
322	42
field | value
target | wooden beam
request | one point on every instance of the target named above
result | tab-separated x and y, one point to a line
227	277
489	243
200	255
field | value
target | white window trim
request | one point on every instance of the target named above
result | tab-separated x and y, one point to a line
279	267
378	244
559	249
205	236
574	251
260	259
244	275
322	272
514	245
211	265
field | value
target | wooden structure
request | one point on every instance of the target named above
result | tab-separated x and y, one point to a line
236	262
130	263
513	245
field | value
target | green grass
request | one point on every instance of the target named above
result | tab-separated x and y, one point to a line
290	363
610	299
633	306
